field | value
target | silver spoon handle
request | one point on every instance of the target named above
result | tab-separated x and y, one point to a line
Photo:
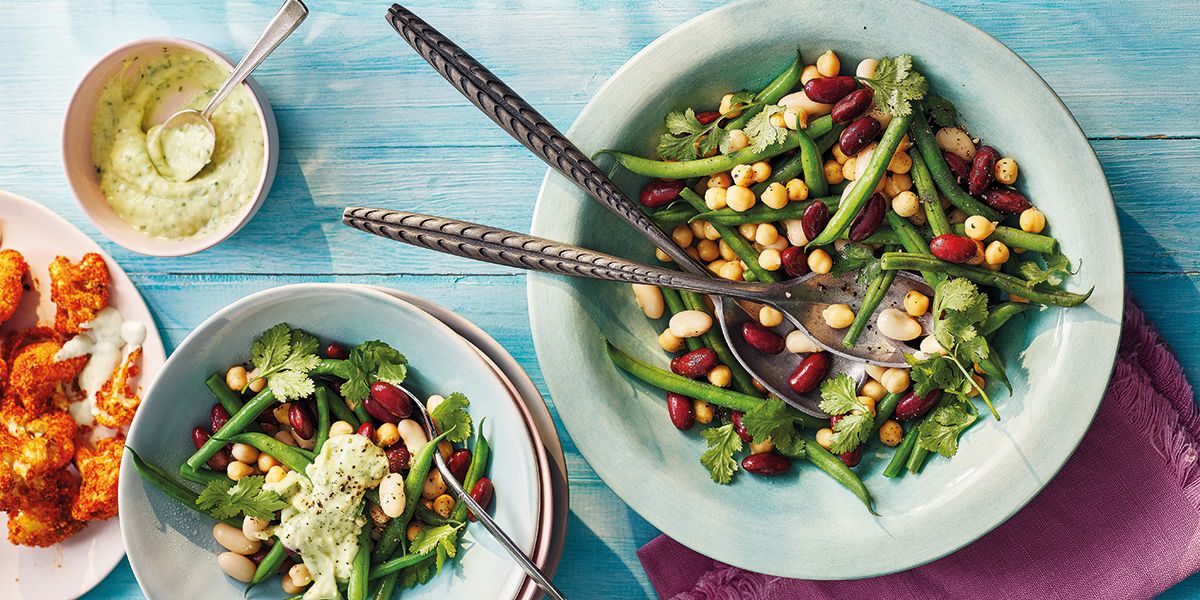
512	249
504	106
289	17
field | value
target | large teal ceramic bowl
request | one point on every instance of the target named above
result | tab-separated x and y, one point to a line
171	548
803	524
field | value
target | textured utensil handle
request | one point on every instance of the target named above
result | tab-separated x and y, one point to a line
526	125
512	249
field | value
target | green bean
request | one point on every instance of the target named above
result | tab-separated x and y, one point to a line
1015	238
291	457
270	563
332	366
761	213
875	293
675	304
480	454
396	565
387	587
831	137
922	136
671	382
418	470
322	419
225	396
342	411
713	339
1001	281
200	476
237	422
885	408
926	189
778	88
913	243
428	517
159	479
999	314
895	468
793	167
736	242
814	170
356	588
677	213
714	164
864	187
835	468
916	460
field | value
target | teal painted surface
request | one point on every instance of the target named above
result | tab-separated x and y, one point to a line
363	120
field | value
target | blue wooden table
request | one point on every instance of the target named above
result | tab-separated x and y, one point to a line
363	120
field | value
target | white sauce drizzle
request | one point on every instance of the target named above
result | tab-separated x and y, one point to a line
107	339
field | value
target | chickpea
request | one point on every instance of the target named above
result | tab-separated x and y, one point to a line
833	172
896	381
289	587
747	230
286	438
766	234
779	120
868	402
726	106
275	474
809	73
237	470
245	453
798	342
682	234
762	171
979	383
850	169
760	447
731	270
956	216
739	198
662	256
828	64
797	190
906	204
775	196
235	378
1006	171
720	180
340	428
839	156
702	411
1033	221
743	175
388	434
720	376
891	433
795	118
866	68
265	462
257	383
434	485
669	341
708	250
978	228
770	316
770	259
736	140
413	530
901	162
824	437
996	253
715	266
819	261
873	389
896	183
916	303
443	505
838	316
875	372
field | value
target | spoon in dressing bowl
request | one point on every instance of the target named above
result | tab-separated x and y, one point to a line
183	144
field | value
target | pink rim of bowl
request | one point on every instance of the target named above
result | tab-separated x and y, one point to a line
81	171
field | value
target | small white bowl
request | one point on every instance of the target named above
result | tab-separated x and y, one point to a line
81	171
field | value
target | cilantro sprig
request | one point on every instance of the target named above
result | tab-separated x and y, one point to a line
370	362
687	138
857	257
896	85
939	433
284	356
452	417
224	499
774	420
723	443
442	540
942	111
762	132
839	398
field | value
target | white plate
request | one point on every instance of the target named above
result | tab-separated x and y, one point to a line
75	566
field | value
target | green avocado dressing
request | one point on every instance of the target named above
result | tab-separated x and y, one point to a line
325	511
156	205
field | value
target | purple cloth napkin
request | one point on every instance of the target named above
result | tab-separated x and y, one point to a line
1121	520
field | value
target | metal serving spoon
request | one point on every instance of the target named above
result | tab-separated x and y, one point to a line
183	144
481	513
801	300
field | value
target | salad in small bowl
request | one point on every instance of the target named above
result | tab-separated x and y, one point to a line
302	457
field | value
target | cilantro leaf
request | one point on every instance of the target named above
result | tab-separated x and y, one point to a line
897	85
370	362
958	306
284	356
839	398
1058	266
723	442
851	431
442	541
762	132
418	574
838	395
941	111
933	373
939	433
857	257
452	417
687	139
773	419
225	500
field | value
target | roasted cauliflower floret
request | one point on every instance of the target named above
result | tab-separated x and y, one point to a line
116	402
44	516
35	374
34	445
14	272
79	290
97	498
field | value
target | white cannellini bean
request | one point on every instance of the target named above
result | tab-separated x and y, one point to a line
930	346
866	68
876	372
252	527
798	101
956	141
236	566
884	117
798	342
794	231
434	485
433	402
650	299
690	323
232	539
391	495
862	160
413	435
300	575
896	324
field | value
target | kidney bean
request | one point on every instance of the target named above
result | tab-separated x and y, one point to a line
366	430
696	363
810	373
269	428
258	557
659	192
679	407
220	416
853	105
458	464
482	493
828	90
1006	201
953	248
814	219
957	166
868	219
795	263
853	457
740	427
707	116
858	134
391	404
983	170
301	421
221	459
912	406
336	352
398	458
766	464
762	339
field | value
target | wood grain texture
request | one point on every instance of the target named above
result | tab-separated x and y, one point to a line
364	121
